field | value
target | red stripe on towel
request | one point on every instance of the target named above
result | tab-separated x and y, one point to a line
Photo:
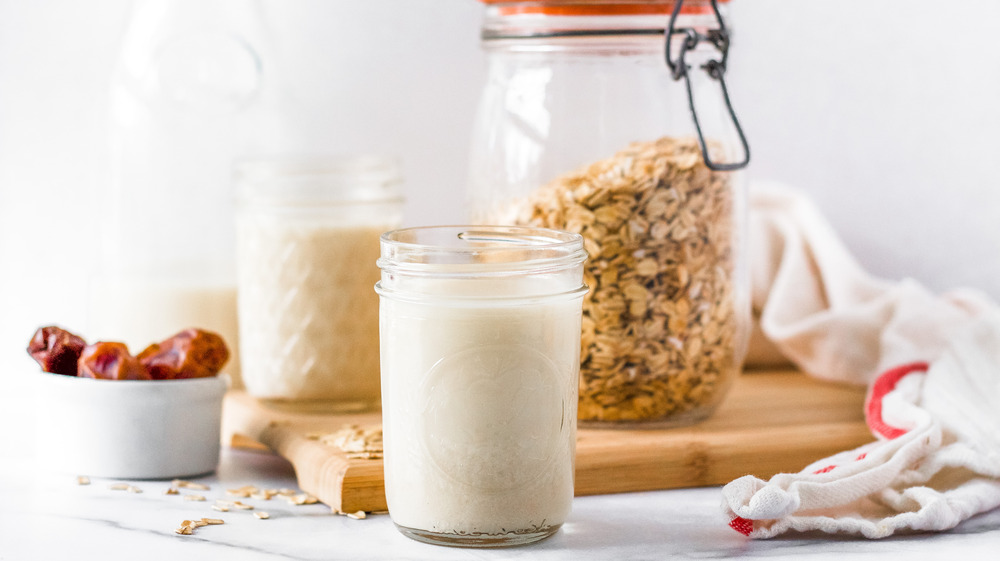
884	384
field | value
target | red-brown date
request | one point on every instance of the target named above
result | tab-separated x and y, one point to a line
192	353
111	361
56	350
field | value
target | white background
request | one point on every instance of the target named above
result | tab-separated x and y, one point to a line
886	112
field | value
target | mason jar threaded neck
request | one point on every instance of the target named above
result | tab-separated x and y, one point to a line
317	179
481	262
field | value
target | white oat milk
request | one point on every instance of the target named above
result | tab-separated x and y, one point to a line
480	343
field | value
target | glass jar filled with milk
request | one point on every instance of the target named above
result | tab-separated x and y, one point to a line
480	344
307	240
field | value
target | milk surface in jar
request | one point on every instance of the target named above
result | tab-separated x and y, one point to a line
480	341
308	235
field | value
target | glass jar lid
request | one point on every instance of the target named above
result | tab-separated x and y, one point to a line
509	19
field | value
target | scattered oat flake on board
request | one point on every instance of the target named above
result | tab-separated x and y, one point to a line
172	491
119	487
194	498
262	515
241	506
356	441
359	515
133	489
213	521
82	480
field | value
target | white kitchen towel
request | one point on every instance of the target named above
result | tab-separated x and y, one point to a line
936	463
821	310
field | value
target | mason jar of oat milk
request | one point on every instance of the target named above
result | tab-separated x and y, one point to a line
612	119
480	336
307	240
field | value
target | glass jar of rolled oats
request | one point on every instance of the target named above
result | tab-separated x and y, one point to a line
611	119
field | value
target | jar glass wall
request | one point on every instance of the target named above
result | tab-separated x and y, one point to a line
581	127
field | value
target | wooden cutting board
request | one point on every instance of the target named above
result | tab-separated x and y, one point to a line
771	422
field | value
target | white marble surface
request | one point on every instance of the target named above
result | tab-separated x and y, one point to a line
49	516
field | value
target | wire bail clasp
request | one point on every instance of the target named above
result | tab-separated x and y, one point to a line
716	69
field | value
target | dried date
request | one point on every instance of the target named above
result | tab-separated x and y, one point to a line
111	361
192	353
56	350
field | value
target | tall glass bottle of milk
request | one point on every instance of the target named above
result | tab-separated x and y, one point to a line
194	88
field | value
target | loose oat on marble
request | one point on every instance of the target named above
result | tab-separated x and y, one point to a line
659	329
181	484
242	492
188	527
301	499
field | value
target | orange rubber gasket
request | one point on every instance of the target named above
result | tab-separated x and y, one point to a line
597	9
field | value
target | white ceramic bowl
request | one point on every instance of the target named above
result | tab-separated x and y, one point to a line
128	429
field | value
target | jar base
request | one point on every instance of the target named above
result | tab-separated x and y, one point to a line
509	539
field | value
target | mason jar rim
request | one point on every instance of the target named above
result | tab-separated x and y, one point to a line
306	179
464	251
